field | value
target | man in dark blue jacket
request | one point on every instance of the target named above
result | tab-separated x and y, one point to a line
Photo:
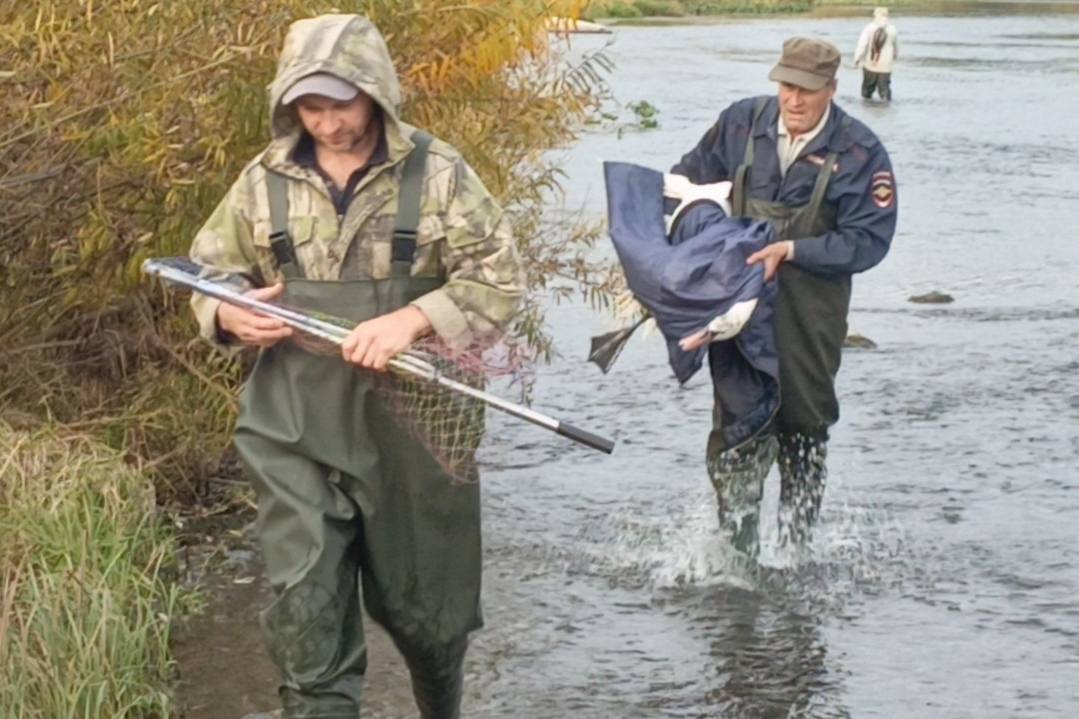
825	182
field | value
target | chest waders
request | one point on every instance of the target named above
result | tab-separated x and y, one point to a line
811	324
811	310
347	498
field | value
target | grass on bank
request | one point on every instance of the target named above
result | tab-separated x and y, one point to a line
85	592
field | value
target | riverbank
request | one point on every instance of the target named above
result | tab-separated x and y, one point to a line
222	561
620	10
104	169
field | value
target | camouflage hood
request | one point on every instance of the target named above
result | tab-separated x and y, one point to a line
348	46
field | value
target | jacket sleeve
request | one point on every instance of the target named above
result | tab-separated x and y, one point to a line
866	201
705	163
484	276
863	45
224	245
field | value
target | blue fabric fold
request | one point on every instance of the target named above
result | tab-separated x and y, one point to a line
690	277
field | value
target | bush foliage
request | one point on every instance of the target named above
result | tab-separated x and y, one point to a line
124	122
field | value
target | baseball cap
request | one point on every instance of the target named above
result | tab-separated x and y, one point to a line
320	83
807	63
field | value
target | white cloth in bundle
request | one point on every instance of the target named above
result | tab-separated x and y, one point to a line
679	187
730	323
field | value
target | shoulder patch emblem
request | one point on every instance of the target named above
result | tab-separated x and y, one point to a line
882	189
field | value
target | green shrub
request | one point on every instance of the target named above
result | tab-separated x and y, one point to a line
646	113
623	10
124	122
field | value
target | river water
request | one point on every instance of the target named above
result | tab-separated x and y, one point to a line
944	579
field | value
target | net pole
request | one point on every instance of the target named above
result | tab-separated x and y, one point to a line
403	362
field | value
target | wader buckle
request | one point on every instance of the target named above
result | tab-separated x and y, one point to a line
281	245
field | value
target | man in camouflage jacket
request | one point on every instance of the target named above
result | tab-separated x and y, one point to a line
346	498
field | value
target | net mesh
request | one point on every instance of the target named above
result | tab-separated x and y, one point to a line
448	423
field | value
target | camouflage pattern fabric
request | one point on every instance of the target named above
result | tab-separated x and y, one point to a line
349	503
463	234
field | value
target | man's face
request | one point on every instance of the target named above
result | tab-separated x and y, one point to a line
802	109
337	125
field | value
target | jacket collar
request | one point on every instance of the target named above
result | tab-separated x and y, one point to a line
278	156
830	138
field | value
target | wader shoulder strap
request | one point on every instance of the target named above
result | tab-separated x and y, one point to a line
741	175
805	221
280	240
824	176
408	207
404	232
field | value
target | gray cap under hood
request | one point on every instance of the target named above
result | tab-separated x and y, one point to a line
347	46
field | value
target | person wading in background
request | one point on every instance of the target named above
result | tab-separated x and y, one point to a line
877	51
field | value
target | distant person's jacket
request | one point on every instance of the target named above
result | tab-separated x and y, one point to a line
878	47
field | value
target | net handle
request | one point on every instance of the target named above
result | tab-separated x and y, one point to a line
188	277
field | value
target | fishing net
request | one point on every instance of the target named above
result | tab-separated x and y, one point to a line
446	420
448	423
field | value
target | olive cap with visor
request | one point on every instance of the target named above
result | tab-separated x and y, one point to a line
807	63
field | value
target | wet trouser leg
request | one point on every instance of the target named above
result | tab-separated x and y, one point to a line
869	83
803	474
310	531
884	85
738	478
422	562
437	677
317	545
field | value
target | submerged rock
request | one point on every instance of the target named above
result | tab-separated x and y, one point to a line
932	298
857	341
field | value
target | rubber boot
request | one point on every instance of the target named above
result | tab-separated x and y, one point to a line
803	475
738	478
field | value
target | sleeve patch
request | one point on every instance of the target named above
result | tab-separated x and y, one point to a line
882	189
